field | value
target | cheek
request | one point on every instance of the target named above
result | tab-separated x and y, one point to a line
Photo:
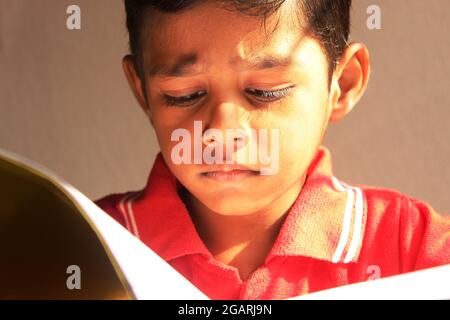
301	128
306	113
164	127
163	137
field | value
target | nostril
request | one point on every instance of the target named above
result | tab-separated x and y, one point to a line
240	138
209	140
214	136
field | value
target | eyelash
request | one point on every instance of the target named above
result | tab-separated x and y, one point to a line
183	101
262	96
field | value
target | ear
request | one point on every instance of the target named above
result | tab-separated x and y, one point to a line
349	80
137	86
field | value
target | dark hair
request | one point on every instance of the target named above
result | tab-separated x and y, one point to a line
326	20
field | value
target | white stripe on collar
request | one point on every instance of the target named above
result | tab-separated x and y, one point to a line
357	226
349	213
123	211
128	212
131	214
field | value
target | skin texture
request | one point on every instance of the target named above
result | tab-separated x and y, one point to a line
239	221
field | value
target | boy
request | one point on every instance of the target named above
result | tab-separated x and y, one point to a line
264	77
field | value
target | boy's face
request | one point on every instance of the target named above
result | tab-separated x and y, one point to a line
223	68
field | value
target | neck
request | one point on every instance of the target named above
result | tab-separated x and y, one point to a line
242	241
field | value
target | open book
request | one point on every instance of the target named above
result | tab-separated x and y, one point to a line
57	244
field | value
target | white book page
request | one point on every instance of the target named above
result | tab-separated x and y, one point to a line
427	284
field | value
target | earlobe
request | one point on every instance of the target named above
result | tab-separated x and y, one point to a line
135	82
351	78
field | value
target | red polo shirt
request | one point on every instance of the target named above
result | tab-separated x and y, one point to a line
334	234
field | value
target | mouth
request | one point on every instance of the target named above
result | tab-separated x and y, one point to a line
230	173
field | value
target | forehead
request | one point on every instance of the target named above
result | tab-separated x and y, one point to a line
207	34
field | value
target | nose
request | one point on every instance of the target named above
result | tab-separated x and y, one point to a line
227	127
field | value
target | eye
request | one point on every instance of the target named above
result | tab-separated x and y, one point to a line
183	101
270	95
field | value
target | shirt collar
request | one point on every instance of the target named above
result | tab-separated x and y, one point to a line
325	222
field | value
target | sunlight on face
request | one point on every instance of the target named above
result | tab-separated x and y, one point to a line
220	67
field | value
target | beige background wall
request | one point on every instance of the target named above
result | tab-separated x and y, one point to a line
65	103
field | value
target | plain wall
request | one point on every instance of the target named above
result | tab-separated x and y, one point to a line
65	103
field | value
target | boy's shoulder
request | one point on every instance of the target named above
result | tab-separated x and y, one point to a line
385	206
410	227
385	201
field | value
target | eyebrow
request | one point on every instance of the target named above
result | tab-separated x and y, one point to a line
184	62
261	62
178	68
